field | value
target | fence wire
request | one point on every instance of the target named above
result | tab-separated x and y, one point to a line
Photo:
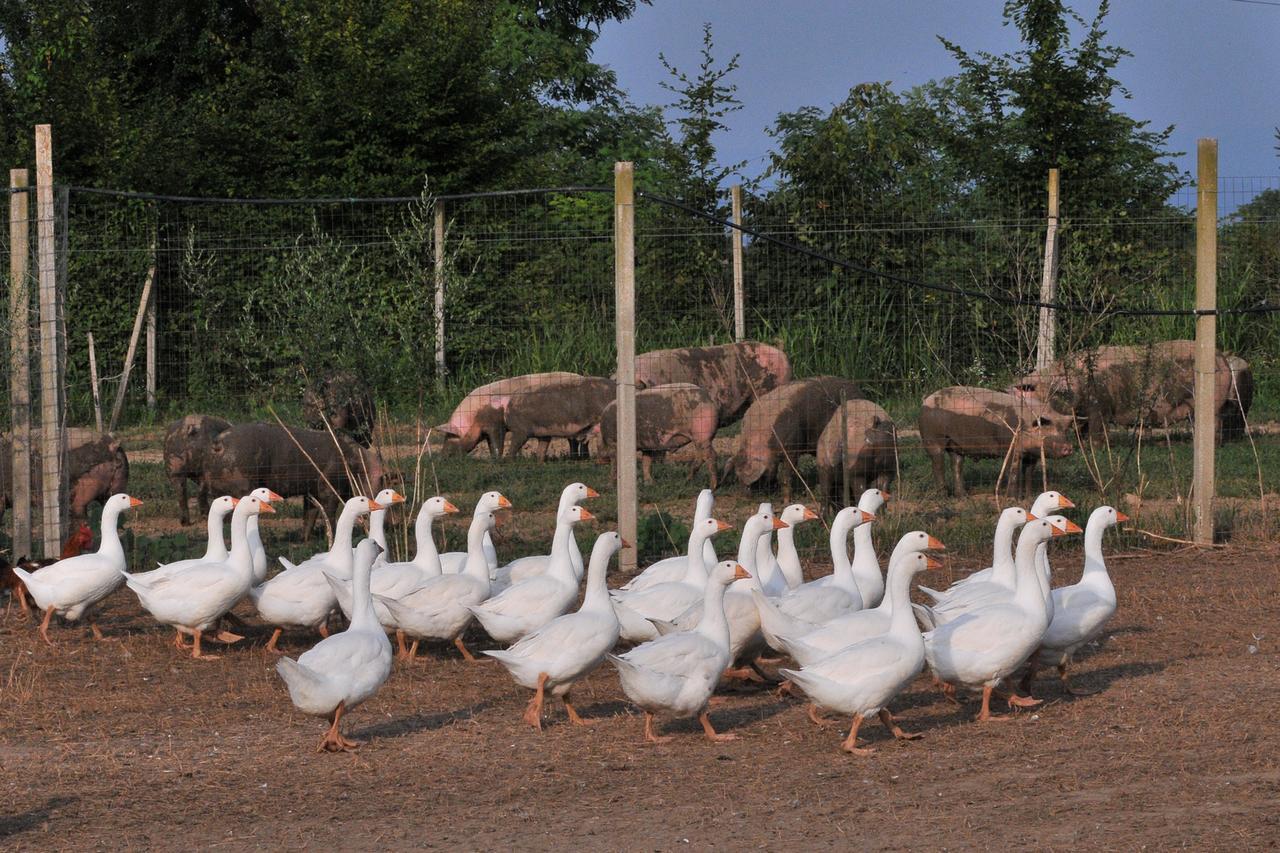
265	311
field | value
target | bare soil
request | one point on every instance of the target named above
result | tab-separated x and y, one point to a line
127	744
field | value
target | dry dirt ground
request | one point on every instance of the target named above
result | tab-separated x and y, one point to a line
126	744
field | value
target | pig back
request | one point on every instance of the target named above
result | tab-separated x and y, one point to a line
291	461
188	441
564	408
788	419
869	435
733	375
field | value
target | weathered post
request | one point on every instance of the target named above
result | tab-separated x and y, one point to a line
846	488
93	384
20	357
624	270
439	262
1206	338
739	290
50	399
1047	330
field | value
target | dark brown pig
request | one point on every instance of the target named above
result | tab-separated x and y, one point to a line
482	413
94	464
667	418
187	444
964	421
733	374
870	451
1129	386
343	400
293	462
568	409
784	425
1234	413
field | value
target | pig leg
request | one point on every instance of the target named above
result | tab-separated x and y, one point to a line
544	444
709	457
180	489
783	476
937	461
518	440
957	466
646	466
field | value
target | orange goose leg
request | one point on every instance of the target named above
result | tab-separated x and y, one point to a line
850	743
533	711
710	732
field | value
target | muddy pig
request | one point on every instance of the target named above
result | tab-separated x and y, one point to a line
1127	386
343	400
1234	412
568	409
94	464
667	418
784	425
965	421
482	414
733	374
870	451
293	462
187	444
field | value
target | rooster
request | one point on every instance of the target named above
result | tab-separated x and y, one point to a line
77	543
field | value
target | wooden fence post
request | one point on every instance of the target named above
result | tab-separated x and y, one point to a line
20	358
439	262
1047	330
624	270
739	290
50	398
118	406
93	384
151	354
1206	416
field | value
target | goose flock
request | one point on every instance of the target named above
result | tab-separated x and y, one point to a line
854	638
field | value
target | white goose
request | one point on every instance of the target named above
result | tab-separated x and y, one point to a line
677	673
528	605
72	586
194	598
523	568
860	625
569	647
635	609
765	559
1003	576
300	596
1045	503
866	566
745	639
215	549
345	669
255	538
385	499
396	580
786	572
1082	610
452	562
985	594
673	568
439	609
982	647
863	678
807	606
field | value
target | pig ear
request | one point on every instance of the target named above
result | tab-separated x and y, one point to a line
192	429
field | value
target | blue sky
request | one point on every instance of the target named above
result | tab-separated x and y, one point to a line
1209	67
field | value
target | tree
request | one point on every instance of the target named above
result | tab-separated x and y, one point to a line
704	100
1050	104
300	96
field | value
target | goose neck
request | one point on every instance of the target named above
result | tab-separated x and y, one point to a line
110	545
342	531
425	554
1003	570
1028	593
217	546
713	625
596	599
241	557
362	613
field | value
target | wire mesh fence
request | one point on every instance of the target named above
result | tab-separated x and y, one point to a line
861	310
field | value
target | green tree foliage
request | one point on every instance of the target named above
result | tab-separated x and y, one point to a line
1050	104
303	96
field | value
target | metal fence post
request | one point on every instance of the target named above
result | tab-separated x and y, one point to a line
50	401
1206	338
624	266
20	358
739	290
1049	280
